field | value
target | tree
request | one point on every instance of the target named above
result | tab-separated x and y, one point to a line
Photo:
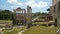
48	9
5	15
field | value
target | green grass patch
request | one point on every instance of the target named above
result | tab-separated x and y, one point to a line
40	23
6	21
14	31
41	30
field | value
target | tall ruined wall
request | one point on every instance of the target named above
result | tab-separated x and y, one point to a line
54	2
25	16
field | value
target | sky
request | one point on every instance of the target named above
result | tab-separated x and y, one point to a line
36	5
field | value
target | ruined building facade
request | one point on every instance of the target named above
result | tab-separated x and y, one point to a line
23	16
55	11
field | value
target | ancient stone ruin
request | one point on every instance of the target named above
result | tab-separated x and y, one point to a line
23	16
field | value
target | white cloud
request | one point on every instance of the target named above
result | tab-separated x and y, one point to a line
14	2
11	1
42	4
33	4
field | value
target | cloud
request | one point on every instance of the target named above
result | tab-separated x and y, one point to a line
33	4
42	4
14	2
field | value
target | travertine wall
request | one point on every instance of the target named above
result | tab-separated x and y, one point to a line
55	11
54	2
58	13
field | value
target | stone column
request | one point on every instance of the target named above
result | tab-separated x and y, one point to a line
24	16
29	16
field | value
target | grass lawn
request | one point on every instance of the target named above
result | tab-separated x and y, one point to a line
14	31
40	23
6	21
41	30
